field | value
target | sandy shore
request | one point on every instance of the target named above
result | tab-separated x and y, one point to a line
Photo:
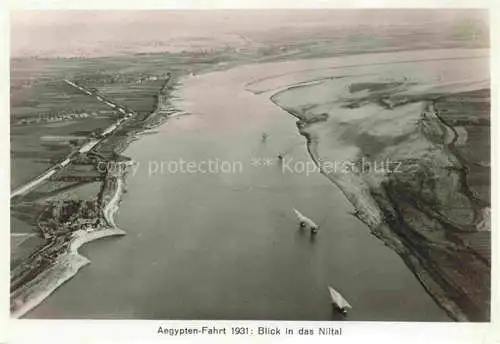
65	267
396	210
69	263
357	191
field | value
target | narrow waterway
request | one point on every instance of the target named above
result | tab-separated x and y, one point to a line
226	245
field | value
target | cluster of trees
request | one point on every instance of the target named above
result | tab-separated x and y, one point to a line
69	216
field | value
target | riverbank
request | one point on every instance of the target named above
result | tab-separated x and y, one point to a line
64	268
58	260
67	264
423	212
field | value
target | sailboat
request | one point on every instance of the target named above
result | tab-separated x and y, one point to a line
305	221
338	301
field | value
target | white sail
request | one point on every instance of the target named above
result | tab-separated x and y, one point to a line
338	300
299	215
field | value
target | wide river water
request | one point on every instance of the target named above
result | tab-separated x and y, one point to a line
226	245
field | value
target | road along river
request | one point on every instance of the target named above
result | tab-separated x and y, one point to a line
226	244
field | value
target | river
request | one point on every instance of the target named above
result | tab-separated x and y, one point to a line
227	245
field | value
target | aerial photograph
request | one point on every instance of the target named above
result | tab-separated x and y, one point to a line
257	164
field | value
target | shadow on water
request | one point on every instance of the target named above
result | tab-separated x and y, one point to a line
302	232
305	235
312	237
335	315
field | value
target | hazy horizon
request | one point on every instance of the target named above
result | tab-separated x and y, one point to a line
101	33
